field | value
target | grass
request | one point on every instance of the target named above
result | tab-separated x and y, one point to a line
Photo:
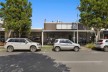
2	49
47	48
90	45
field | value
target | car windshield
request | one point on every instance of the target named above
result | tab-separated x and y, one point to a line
29	40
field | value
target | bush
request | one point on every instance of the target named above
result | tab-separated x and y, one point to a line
90	45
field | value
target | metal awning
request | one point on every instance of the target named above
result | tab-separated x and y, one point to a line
68	30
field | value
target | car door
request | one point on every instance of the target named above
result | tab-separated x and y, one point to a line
65	44
62	44
23	44
69	44
17	44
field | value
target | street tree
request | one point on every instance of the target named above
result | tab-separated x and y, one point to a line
94	14
1	13
17	16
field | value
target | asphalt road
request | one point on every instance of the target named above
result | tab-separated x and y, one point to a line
65	61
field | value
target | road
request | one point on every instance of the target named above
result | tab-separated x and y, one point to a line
64	61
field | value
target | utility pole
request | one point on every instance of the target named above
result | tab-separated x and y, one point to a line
77	25
77	33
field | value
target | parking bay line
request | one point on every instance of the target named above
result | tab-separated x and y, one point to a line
78	61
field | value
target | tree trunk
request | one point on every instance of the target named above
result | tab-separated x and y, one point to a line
8	34
97	35
19	34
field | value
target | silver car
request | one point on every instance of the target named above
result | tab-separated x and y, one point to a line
65	44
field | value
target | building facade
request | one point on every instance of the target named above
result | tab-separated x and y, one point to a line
53	30
2	33
73	31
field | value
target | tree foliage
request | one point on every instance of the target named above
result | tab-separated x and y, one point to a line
94	13
17	16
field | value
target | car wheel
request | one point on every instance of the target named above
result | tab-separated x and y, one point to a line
32	48
76	49
10	48
57	49
106	48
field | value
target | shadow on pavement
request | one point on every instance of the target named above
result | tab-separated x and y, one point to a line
25	51
96	49
30	62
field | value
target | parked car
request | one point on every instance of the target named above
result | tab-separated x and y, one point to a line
65	44
21	44
102	44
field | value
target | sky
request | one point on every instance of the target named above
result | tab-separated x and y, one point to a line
53	10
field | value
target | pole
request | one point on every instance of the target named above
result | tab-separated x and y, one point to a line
77	32
42	38
74	36
77	26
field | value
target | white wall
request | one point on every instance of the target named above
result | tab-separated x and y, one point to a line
1	22
66	26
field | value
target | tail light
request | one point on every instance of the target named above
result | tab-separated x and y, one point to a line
101	43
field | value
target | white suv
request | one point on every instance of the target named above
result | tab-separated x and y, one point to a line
65	44
102	44
21	44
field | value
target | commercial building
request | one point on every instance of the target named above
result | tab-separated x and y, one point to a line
53	30
73	31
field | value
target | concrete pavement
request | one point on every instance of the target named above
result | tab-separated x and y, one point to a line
83	61
64	61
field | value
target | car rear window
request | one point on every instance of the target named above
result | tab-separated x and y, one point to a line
100	40
13	40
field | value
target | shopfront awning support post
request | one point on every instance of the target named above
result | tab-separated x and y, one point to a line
77	32
42	38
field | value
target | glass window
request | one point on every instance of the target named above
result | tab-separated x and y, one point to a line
16	40
62	41
22	40
29	40
65	41
11	40
106	40
68	41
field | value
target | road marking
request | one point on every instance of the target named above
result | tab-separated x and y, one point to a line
79	61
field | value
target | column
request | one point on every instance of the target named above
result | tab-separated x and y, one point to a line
74	36
77	33
42	38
